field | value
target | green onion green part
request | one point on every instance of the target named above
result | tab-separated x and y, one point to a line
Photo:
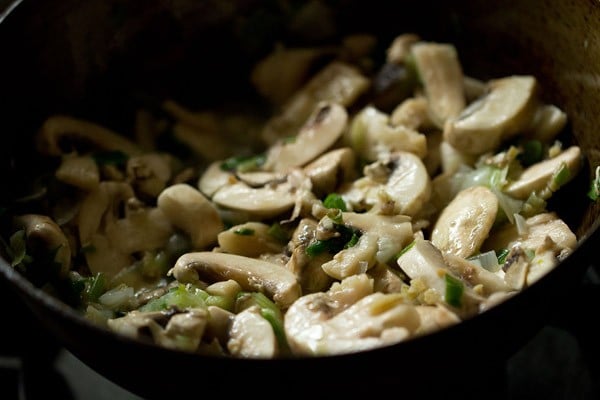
454	290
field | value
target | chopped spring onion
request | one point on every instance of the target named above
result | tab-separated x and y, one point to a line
181	296
348	237
243	163
560	177
334	200
454	290
405	249
94	288
353	240
502	256
244	232
276	231
533	151
487	260
269	311
594	192
521	224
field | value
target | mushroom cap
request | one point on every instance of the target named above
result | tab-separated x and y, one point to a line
465	223
503	112
252	274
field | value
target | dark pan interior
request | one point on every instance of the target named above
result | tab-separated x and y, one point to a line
101	59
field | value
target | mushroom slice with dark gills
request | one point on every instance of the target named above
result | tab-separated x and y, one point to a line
307	268
465	223
330	170
181	330
44	238
502	113
400	177
318	134
348	318
251	274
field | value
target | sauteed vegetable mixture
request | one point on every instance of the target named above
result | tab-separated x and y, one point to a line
374	205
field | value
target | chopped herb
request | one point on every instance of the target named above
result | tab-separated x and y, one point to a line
243	163
270	312
594	192
454	290
316	248
347	237
276	231
533	152
502	256
94	287
405	249
244	232
353	240
560	176
181	296
112	157
334	200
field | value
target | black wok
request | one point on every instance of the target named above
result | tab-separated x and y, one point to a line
88	58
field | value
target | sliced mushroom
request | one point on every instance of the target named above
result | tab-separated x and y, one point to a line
435	318
354	260
442	77
386	279
317	325
371	136
149	173
400	47
142	229
250	239
393	231
193	213
264	202
538	228
282	72
423	261
214	178
307	269
59	129
44	236
252	274
475	274
547	122
251	335
337	82
183	330
505	111
324	127
79	171
401	178
101	205
465	223
412	113
260	178
330	170
538	176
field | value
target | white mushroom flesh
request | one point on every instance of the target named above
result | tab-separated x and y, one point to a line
352	218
